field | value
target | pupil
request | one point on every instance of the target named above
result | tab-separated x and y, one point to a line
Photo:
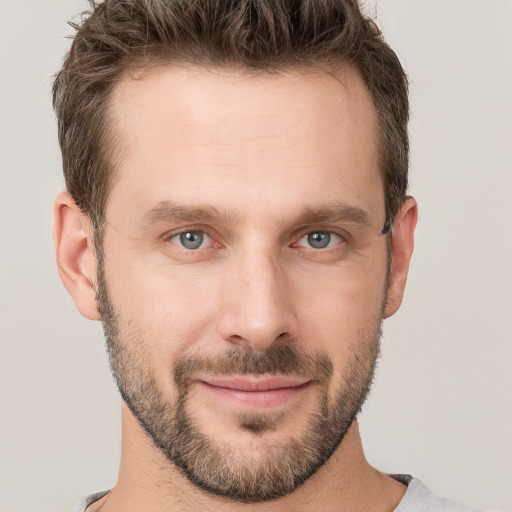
319	239
191	239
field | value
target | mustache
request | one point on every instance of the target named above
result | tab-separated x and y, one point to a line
276	360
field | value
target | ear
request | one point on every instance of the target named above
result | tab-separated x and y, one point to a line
76	258
402	245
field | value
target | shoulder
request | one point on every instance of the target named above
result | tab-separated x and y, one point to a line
419	499
82	505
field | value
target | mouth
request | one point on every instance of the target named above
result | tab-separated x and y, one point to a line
256	393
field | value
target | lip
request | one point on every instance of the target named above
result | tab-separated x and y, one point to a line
256	392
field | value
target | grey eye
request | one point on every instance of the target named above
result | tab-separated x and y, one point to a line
191	239
319	239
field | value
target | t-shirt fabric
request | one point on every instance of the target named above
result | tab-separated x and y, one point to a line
417	499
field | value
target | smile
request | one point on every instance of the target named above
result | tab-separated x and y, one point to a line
256	393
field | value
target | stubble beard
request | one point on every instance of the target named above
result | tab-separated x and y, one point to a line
215	466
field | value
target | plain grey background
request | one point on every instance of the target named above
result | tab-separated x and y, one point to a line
441	408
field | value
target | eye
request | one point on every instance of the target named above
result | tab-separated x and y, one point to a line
319	240
191	240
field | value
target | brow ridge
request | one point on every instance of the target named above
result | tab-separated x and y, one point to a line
170	211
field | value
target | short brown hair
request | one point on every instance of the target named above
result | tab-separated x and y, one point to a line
252	35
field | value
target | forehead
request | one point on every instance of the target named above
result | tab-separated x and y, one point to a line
244	142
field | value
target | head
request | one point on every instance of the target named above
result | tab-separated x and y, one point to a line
231	169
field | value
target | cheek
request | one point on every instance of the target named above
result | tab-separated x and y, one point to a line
343	320
347	329
343	310
167	310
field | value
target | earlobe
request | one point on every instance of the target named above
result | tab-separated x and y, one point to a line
76	259
402	245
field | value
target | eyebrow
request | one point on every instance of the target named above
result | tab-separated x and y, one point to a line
170	211
334	212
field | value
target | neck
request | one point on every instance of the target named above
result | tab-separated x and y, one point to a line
148	481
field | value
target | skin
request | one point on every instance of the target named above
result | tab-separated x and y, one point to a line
261	149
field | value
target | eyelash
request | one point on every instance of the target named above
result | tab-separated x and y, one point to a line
342	238
169	238
331	234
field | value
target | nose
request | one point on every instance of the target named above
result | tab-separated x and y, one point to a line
257	303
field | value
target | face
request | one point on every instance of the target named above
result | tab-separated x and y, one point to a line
244	277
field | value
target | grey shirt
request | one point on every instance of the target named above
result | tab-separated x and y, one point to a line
417	499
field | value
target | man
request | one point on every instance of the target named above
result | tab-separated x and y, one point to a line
236	216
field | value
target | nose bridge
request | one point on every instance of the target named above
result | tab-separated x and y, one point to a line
260	309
